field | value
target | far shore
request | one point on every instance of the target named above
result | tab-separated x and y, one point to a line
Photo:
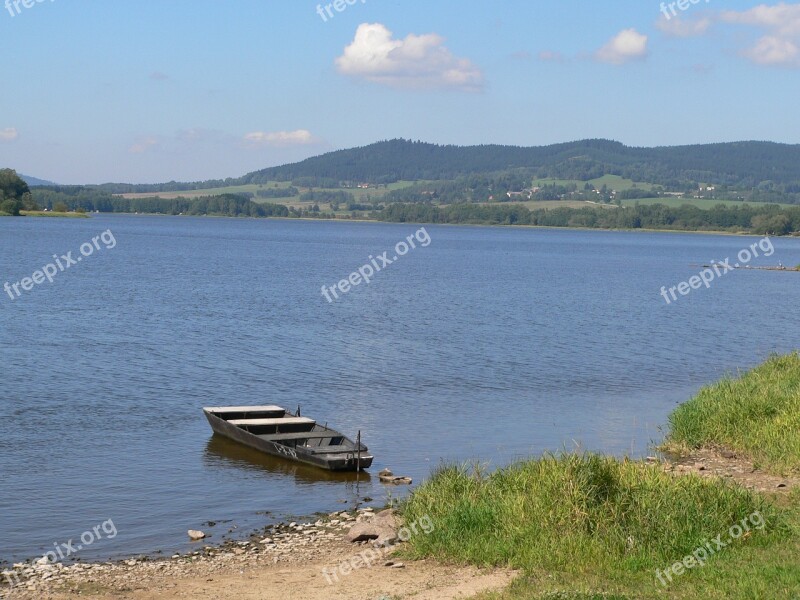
376	221
50	213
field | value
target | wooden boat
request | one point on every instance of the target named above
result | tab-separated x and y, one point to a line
276	431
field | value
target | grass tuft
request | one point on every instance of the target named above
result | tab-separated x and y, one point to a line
757	415
575	513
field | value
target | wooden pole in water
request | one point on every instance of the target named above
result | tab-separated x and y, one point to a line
358	460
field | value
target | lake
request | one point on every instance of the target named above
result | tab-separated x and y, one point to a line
488	344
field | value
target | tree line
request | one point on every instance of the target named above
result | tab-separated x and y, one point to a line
91	200
15	195
767	219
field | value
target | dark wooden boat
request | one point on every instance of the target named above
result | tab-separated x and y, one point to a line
276	431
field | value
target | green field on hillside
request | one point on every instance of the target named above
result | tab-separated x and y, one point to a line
360	194
613	182
372	194
703	203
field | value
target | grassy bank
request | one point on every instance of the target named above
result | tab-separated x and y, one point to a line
578	526
50	213
756	415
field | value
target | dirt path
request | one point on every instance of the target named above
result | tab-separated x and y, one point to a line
714	462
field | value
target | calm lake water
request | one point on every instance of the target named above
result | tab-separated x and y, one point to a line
488	344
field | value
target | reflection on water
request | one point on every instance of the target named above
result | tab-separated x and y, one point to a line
220	452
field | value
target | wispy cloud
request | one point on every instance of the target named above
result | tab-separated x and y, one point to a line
415	62
298	137
779	47
624	47
551	56
201	135
144	144
779	24
9	134
782	19
679	27
159	76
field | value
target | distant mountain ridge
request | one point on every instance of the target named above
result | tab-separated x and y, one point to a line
748	163
765	166
35	181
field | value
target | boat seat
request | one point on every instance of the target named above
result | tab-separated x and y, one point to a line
282	421
307	435
221	410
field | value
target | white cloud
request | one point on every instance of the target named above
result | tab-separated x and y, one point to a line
678	27
783	19
779	47
416	62
627	45
779	44
299	137
9	134
774	50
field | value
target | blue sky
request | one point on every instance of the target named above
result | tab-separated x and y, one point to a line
151	90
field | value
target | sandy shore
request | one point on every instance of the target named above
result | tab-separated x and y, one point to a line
283	562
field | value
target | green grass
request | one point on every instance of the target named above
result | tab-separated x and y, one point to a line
50	213
550	204
757	414
614	182
236	189
704	203
588	524
359	194
587	527
572	512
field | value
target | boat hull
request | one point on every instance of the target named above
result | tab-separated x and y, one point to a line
344	461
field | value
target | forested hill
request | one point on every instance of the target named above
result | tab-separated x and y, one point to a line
740	164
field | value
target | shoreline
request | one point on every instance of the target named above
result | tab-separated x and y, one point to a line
311	554
306	556
490	225
274	540
312	546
